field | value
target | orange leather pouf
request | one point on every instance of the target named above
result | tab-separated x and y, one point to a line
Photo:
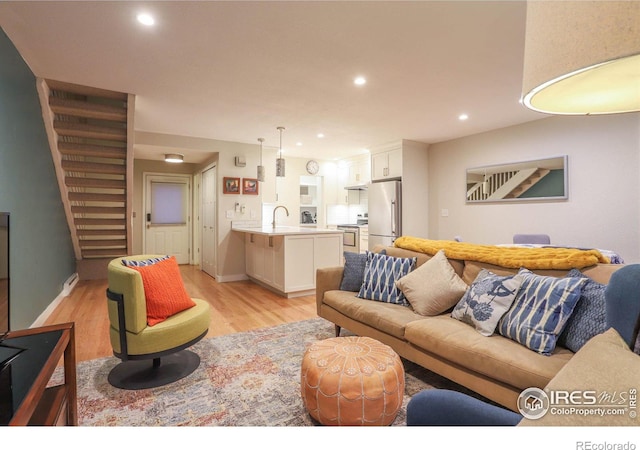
352	380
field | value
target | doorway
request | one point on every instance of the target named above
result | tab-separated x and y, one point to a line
167	216
208	237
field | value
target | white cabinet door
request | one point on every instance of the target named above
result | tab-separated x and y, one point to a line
343	178
386	165
394	163
327	250
254	255
379	166
299	263
360	171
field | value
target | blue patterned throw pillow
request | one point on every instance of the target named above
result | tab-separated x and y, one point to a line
488	298
540	310
589	316
380	276
353	274
144	262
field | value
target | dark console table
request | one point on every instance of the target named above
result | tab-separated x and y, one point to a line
27	395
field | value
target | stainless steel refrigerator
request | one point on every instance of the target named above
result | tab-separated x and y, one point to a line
385	212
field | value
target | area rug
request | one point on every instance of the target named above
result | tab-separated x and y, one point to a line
244	379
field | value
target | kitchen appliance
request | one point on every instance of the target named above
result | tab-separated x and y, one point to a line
307	217
385	212
350	238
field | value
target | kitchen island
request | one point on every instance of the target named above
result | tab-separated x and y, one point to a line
284	259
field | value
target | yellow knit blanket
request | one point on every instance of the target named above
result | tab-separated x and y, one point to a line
511	257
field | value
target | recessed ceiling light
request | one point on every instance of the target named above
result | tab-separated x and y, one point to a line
320	135
359	81
146	19
299	144
463	117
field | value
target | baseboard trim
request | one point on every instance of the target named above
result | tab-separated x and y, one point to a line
68	287
228	278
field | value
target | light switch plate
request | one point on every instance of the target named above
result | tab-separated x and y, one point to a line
230	214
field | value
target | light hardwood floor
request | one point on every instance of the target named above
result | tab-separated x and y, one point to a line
236	306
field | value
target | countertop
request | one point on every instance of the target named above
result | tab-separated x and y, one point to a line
282	230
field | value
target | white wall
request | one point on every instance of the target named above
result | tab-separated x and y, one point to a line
603	208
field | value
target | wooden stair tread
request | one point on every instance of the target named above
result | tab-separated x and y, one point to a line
75	129
85	90
98	210
93	167
98	222
95	197
95	182
102	233
101	151
85	243
87	109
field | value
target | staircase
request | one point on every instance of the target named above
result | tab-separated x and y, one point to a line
90	133
503	185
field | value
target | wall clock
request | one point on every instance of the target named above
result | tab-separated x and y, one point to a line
312	167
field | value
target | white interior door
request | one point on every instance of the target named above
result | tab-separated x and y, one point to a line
209	221
167	216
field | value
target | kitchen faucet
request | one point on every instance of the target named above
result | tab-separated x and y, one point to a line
273	224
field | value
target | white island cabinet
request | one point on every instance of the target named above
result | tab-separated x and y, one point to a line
285	259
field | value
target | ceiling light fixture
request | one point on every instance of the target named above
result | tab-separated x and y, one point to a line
260	174
359	81
582	57
320	135
463	116
146	19
173	158
280	160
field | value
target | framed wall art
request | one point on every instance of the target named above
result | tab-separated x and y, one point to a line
230	185
250	186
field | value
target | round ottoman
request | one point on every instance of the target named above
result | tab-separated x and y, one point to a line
352	380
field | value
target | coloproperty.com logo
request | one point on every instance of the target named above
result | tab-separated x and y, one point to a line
534	403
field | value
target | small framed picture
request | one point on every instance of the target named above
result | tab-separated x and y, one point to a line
250	186
230	185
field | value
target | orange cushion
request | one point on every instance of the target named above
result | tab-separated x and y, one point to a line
164	290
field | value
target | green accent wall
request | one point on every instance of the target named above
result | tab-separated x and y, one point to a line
41	250
552	185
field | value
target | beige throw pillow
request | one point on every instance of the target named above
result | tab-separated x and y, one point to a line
607	370
434	287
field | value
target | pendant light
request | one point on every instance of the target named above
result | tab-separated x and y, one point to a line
582	57
280	160
260	175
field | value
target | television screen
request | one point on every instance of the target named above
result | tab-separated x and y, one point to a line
4	274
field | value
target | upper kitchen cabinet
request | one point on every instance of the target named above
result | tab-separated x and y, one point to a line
397	159
386	164
359	171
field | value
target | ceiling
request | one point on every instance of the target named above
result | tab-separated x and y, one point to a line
236	70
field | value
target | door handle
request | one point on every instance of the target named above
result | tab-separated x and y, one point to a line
393	217
148	217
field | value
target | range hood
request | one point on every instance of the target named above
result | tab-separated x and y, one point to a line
356	187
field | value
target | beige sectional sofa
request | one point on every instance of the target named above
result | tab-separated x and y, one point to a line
496	367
